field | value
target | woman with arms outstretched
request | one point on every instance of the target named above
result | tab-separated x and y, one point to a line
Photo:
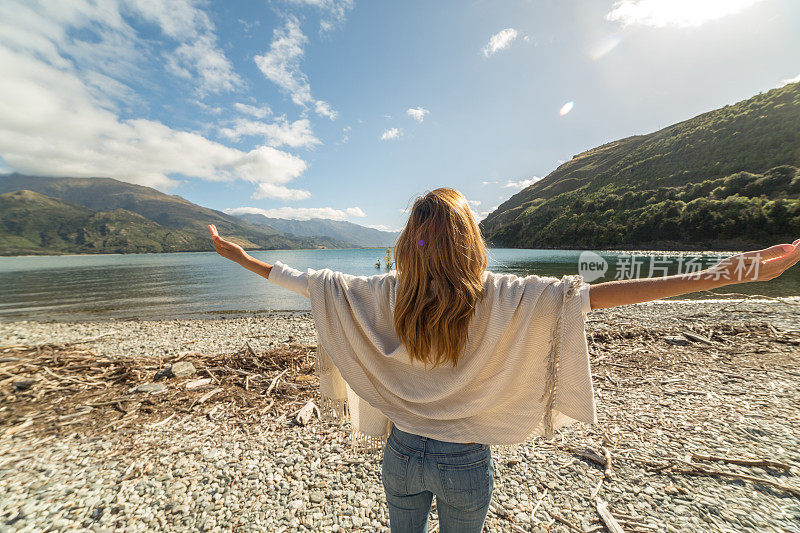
440	358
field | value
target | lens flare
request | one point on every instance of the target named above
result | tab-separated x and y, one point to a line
566	108
604	46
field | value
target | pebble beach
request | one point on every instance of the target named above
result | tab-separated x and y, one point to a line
698	430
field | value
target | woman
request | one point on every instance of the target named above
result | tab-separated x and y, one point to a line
507	354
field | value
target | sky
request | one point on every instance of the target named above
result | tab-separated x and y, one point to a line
349	109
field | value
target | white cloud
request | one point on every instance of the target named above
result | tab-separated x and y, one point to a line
515	184
476	203
521	184
680	13
252	110
198	55
499	41
282	132
281	65
335	11
788	81
249	26
324	109
417	113
346	134
210	109
391	134
381	227
202	58
298	213
480	215
53	121
45	33
279	192
355	212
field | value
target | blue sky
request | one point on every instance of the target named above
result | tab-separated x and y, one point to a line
348	109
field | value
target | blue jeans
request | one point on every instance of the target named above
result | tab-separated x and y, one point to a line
415	468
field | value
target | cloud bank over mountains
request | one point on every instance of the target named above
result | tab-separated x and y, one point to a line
74	97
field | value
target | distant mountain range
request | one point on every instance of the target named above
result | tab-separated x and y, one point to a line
346	231
40	215
726	179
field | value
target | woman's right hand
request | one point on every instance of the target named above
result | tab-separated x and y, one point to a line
227	249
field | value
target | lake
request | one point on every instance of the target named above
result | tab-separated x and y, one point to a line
203	284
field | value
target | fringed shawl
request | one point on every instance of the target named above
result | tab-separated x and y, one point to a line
524	371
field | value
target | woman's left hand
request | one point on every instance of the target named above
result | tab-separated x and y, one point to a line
226	249
759	265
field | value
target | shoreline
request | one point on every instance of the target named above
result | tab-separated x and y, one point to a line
78	254
744	304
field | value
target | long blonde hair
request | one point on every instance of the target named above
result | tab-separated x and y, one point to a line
440	261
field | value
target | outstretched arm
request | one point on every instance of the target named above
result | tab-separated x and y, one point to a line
236	253
761	265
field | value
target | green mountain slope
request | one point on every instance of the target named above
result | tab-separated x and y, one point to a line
185	224
106	194
24	227
31	223
724	179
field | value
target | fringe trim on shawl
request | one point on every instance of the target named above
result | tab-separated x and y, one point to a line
333	410
551	386
366	443
338	411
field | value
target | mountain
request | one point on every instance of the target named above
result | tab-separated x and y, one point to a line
151	220
336	229
726	179
32	223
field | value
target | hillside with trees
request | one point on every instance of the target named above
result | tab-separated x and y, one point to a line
726	179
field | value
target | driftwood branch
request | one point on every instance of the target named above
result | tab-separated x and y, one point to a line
608	472
697	470
274	382
607	518
766	463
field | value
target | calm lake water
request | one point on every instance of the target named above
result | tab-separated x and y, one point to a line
186	285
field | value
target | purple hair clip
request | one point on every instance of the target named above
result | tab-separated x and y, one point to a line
421	242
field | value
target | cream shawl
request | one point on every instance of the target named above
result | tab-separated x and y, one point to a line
524	370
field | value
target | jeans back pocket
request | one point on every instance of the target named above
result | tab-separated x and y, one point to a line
393	470
468	485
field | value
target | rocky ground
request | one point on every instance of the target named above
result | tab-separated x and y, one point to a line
683	389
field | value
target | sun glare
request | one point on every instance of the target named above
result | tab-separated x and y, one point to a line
681	13
566	108
604	46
